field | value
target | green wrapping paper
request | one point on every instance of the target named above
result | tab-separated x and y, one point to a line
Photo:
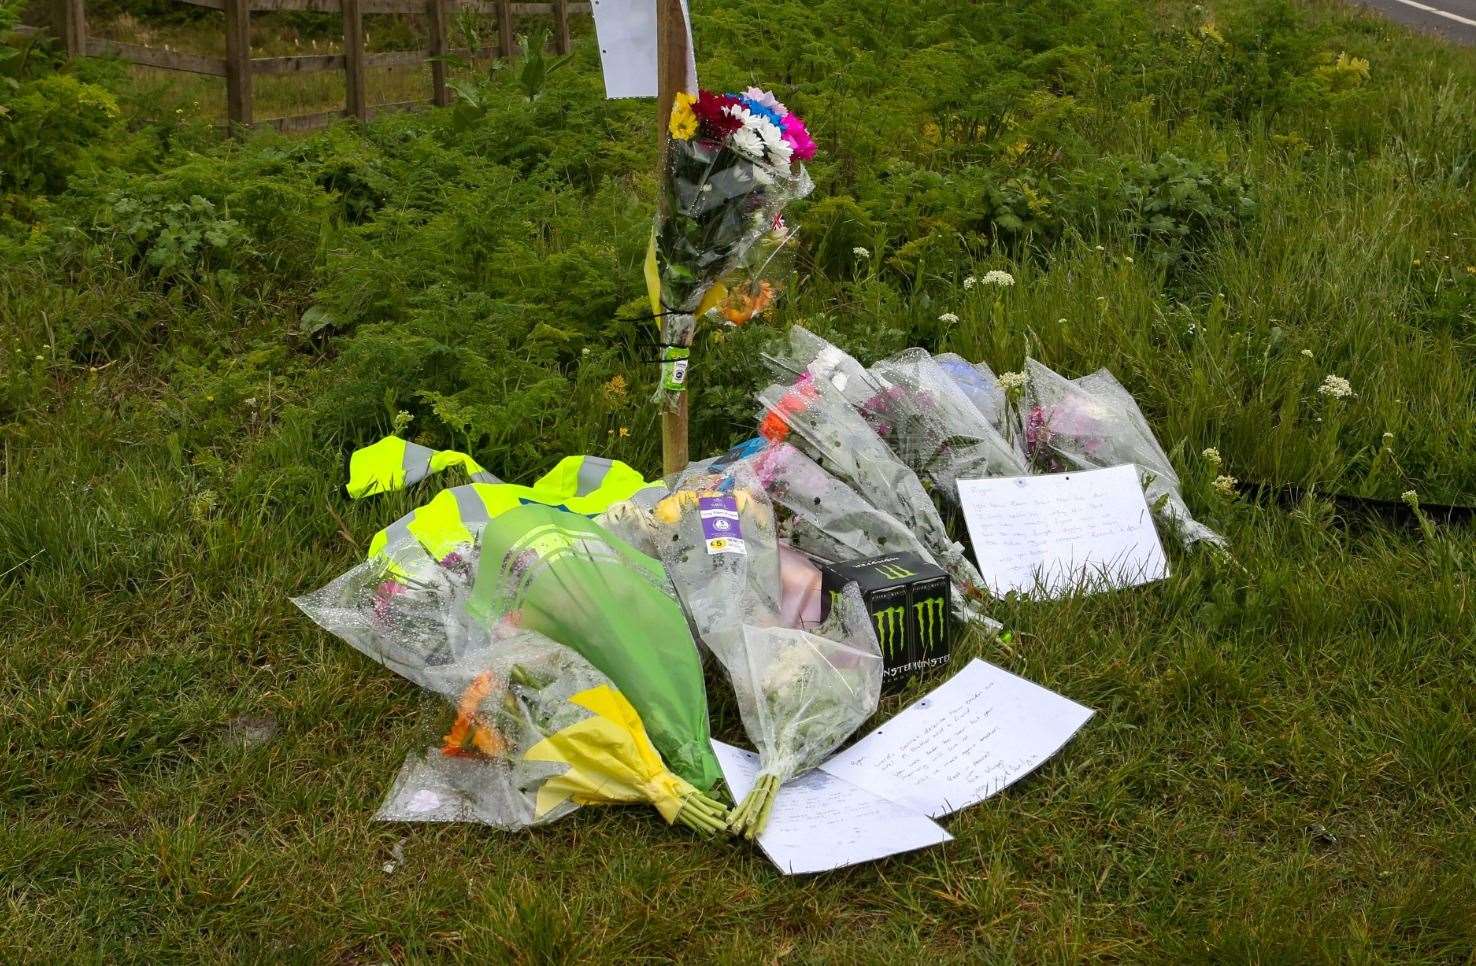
562	575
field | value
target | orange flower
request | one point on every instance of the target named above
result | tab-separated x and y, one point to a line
744	305
483	739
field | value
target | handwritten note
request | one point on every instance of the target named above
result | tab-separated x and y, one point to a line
821	822
974	735
1057	534
626	31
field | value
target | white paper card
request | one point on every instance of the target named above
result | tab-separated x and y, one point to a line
820	822
1055	534
974	735
626	31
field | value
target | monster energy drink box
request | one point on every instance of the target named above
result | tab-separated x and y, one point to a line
908	600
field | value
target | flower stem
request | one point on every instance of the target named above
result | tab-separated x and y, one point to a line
752	814
702	814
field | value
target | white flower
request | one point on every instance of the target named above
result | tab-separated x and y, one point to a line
1388	438
1307	353
860	252
1212	456
746	141
970	282
1013	381
780	150
996	277
948	317
1225	485
1336	387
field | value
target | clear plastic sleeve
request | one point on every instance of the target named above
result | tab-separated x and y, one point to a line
800	692
720	204
817	418
1094	422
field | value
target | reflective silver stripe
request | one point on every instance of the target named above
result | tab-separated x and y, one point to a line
469	505
649	497
416	462
484	477
591	474
398	533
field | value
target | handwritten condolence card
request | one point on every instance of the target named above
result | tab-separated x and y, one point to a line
1062	533
978	733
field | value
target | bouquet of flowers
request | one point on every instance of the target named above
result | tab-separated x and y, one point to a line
1094	422
800	692
538	730
815	416
733	162
562	575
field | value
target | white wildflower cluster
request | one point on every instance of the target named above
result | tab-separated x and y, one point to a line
1224	484
860	252
1212	457
1013	382
996	277
949	318
1336	386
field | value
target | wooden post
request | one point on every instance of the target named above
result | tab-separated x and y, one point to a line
671	76
504	29
562	41
238	63
356	102
74	23
440	93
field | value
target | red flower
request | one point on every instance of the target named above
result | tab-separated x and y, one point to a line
775	425
712	115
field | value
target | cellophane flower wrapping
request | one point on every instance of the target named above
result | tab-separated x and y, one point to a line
815	417
980	385
520	680
934	427
800	691
733	163
1093	422
564	576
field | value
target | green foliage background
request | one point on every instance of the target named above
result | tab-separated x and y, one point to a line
1223	204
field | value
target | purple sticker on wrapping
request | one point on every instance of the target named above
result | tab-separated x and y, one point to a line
720	527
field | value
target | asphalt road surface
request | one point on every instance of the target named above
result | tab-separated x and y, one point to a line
1454	19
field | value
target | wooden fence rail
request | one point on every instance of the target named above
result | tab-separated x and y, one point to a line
238	67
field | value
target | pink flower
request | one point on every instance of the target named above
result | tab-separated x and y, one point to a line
798	136
767	99
386	592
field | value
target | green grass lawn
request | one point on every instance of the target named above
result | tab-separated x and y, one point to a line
1224	204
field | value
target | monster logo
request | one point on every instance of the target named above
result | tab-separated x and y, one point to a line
891	630
929	621
893	571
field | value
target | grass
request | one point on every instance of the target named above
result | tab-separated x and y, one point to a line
1280	766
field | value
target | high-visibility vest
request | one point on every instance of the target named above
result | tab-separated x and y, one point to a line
394	463
587	485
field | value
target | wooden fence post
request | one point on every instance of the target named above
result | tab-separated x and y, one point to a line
238	62
357	103
74	25
561	26
440	93
504	29
671	76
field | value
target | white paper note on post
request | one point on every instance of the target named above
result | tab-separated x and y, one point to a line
820	822
626	31
974	735
1064	532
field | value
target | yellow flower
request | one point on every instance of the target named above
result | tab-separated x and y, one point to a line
683	120
624	432
615	388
